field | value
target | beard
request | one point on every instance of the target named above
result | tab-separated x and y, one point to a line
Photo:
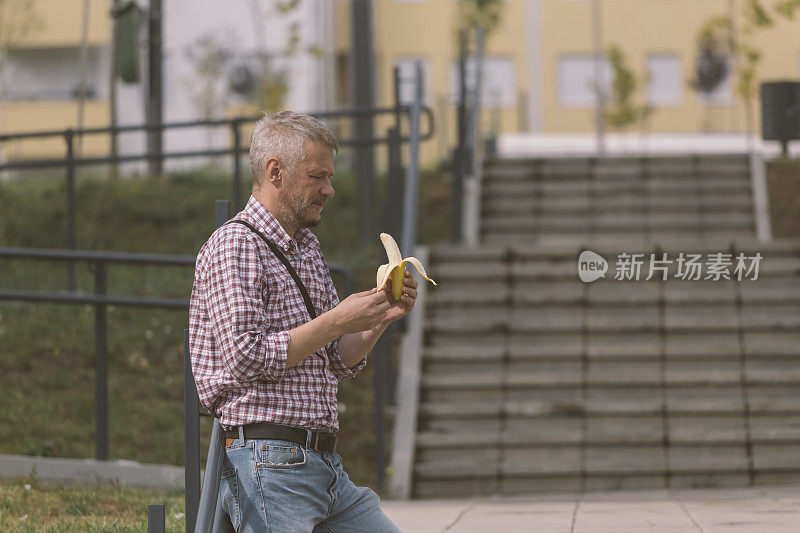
299	210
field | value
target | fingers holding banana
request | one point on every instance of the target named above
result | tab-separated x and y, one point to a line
408	292
395	270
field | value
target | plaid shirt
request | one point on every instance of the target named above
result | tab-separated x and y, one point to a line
244	302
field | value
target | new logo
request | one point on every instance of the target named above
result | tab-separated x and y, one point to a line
591	266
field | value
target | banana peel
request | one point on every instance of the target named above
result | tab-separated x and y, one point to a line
396	267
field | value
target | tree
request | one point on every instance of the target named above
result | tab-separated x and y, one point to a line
485	13
208	56
623	111
712	68
745	55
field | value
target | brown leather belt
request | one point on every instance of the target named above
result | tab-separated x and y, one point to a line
319	440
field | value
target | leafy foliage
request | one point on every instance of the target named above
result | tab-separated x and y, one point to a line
623	111
485	13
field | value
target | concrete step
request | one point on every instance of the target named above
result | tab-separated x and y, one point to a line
531	205
617	222
611	345
763	396
592	239
623	177
566	189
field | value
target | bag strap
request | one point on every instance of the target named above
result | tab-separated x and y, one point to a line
286	263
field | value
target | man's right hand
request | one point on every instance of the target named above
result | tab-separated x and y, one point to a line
361	311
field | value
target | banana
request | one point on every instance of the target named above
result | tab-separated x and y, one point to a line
396	267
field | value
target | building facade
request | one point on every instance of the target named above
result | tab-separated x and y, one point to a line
540	72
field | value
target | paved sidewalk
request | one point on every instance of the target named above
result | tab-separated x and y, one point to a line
755	510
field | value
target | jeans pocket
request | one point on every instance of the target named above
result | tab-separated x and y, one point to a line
279	454
229	494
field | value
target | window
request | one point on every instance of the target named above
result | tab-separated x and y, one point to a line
499	81
576	80
51	74
665	83
407	72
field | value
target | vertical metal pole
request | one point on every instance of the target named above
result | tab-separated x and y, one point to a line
597	45
393	210
380	451
460	153
473	132
409	238
389	365
208	501
156	518
83	59
398	116
222	212
155	89
113	147
363	97
237	164
100	365
191	431
462	89
69	138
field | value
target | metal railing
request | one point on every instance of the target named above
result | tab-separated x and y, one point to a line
100	299
70	162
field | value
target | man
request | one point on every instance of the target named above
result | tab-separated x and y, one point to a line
263	365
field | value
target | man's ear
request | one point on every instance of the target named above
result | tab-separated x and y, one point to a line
273	172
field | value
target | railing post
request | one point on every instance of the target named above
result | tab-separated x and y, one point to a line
397	103
457	171
69	138
156	518
393	207
191	429
237	164
101	365
409	237
380	424
222	212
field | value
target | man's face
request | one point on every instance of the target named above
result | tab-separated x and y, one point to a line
308	187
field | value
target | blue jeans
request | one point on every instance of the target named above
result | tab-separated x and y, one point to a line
282	487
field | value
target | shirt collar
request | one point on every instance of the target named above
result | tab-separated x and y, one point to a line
266	222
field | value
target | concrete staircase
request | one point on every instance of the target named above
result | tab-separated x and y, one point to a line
650	197
535	381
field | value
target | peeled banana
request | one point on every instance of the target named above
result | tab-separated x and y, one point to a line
396	267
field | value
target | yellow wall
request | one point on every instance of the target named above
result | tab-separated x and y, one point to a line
427	29
20	117
644	27
58	23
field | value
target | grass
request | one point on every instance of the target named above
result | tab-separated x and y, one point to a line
28	504
47	362
783	179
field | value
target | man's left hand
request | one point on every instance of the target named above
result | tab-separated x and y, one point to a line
405	304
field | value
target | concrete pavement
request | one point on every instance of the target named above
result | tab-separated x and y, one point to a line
753	510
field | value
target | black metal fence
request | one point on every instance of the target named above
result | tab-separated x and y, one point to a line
100	299
393	139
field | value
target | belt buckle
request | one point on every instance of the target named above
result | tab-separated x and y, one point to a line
312	442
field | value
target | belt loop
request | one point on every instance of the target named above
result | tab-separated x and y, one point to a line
241	434
308	438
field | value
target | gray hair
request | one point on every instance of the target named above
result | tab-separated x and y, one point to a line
283	135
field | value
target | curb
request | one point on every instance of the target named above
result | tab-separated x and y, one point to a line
91	471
